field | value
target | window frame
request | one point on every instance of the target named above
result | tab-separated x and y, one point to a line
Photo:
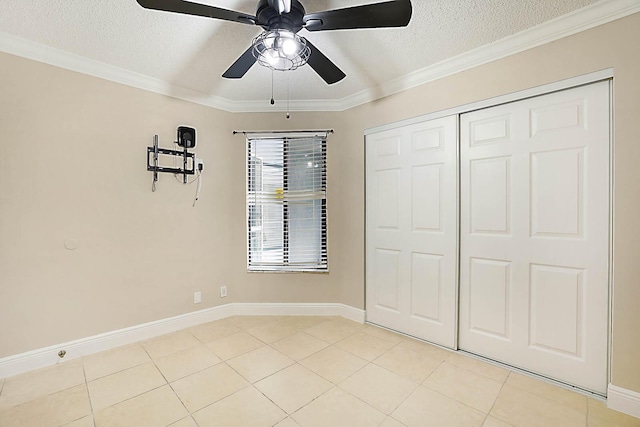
285	267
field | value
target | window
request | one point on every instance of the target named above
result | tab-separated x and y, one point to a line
286	203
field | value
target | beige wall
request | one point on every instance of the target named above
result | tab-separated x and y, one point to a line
72	167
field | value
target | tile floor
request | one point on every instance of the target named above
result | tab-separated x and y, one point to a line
289	372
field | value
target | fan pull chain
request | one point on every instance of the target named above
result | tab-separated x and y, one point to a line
288	96
272	100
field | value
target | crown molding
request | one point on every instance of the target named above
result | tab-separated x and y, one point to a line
598	13
580	20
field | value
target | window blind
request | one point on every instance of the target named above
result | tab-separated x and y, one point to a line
286	203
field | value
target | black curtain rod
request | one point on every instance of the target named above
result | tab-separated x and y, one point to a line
248	132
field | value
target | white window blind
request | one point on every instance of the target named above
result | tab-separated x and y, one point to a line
286	203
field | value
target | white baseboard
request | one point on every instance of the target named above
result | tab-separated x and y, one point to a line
285	309
623	400
40	358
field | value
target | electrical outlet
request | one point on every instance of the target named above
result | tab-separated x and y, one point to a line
197	297
223	291
198	163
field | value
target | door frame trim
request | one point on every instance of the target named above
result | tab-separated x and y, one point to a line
501	99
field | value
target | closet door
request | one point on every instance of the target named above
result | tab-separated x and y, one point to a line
534	234
411	237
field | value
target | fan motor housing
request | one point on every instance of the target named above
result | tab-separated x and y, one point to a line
269	18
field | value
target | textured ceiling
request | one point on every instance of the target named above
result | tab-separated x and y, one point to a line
192	52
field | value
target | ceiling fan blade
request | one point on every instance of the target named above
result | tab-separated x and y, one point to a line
322	65
189	8
378	15
241	66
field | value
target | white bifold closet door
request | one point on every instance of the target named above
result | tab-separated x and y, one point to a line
411	231
534	234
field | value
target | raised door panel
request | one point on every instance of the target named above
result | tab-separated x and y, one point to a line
556	309
489	130
387	199
558	116
490	205
490	297
387	265
426	198
557	193
426	287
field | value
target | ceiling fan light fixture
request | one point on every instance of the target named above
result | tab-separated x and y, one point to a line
290	47
272	58
280	50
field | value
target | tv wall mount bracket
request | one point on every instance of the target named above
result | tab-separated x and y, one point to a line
186	139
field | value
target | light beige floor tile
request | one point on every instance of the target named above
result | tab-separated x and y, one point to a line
410	364
82	422
123	385
379	388
299	345
287	422
53	410
338	408
520	408
430	350
304	322
1	385
186	362
234	345
42	382
206	387
293	387
334	330
365	346
212	331
333	364
246	408
185	422
391	422
549	391
159	407
471	389
111	361
348	323
248	322
494	422
600	422
384	334
426	408
600	416
478	367
273	331
260	363
169	343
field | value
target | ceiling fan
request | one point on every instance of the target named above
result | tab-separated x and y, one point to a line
279	47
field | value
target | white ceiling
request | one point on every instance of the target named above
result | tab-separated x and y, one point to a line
188	54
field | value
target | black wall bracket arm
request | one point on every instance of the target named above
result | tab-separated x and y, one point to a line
152	162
